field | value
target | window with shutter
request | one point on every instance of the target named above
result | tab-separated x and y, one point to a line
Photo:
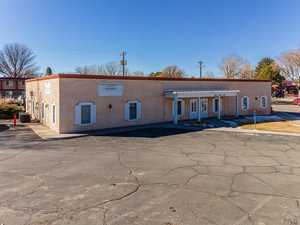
133	110
245	103
85	113
263	101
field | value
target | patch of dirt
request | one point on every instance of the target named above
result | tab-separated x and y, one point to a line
282	126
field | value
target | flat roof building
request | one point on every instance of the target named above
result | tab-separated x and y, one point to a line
70	103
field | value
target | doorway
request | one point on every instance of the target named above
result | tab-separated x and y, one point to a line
204	107
193	109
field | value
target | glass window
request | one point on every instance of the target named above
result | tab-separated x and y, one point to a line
194	106
245	103
53	114
9	94
263	101
204	104
216	105
85	114
9	83
132	111
43	110
32	107
179	108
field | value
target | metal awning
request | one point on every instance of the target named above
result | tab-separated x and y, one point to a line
199	93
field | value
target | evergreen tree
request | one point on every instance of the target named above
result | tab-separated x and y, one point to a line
268	69
48	71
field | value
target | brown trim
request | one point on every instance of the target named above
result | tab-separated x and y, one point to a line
12	78
12	89
1	85
54	76
104	77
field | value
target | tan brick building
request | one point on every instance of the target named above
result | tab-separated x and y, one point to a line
72	103
12	87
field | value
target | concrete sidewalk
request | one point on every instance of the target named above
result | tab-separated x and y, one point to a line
48	134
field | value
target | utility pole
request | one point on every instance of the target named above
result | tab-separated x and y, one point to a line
201	67
123	62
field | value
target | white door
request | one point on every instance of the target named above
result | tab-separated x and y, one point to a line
193	109
204	107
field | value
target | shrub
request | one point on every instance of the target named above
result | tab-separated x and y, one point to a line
8	110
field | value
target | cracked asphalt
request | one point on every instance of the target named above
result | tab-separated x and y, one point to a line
205	178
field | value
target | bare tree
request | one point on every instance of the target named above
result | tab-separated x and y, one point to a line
138	73
83	69
209	74
109	69
113	69
247	72
92	69
172	72
17	60
231	66
290	64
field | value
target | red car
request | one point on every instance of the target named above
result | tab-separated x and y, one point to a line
297	101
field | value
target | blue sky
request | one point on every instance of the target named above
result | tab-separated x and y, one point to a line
65	34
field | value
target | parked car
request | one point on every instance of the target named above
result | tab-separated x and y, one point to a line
297	101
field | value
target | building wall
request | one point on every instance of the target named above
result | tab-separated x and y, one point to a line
44	94
67	92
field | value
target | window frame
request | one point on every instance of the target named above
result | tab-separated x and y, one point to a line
9	84
182	108
43	110
127	117
248	103
266	102
78	115
214	104
91	113
53	113
33	107
136	110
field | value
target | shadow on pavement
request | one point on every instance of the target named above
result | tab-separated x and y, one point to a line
3	127
154	132
148	132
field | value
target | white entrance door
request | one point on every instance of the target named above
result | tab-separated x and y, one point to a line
193	109
204	107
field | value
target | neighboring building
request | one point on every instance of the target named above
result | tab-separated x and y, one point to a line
12	87
290	87
72	103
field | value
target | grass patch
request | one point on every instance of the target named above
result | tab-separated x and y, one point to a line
279	126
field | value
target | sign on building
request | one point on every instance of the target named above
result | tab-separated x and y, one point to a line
110	89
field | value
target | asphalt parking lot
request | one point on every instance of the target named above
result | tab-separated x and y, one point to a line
205	178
